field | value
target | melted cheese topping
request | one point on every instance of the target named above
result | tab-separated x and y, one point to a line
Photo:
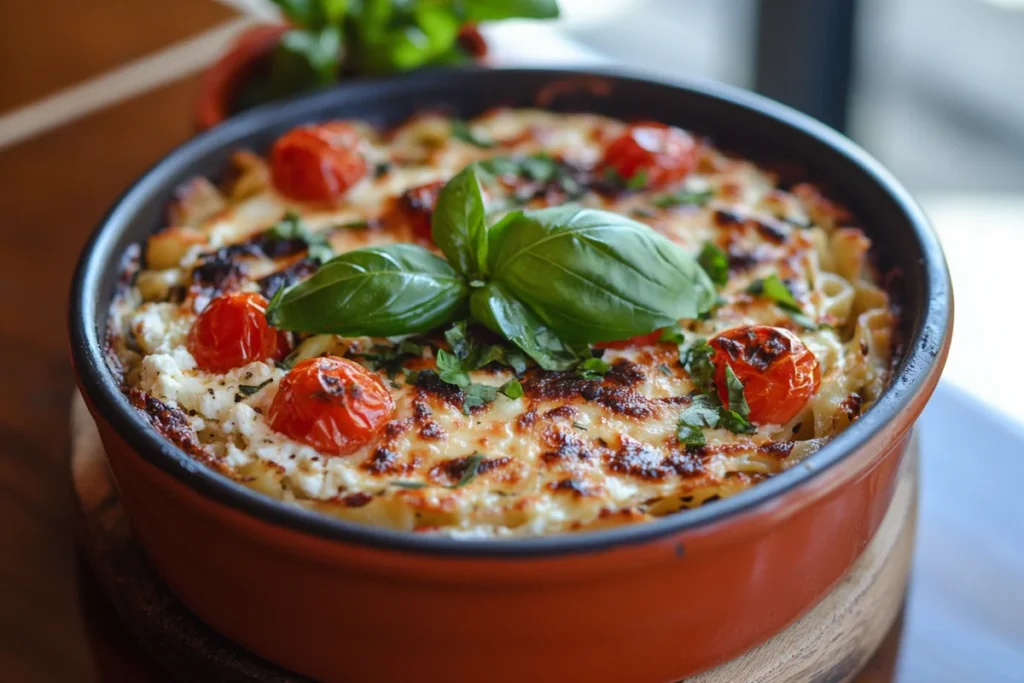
571	454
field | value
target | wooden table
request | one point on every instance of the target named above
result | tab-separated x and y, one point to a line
62	162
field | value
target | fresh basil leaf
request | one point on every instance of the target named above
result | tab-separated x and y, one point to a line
496	309
715	263
772	287
512	389
457	337
672	334
683	198
250	389
412	485
702	411
594	276
449	369
697	360
470	470
734	422
495	10
665	370
476	395
458	226
462	131
734	389
383	291
593	368
689	435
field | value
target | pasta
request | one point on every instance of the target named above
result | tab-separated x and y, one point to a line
571	453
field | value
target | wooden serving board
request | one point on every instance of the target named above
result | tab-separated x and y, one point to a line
830	644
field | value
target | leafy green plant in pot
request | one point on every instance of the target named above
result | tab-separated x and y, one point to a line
326	40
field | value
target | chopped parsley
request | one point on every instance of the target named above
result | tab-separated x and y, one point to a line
715	263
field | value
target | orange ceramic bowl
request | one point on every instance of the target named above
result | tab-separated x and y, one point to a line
651	602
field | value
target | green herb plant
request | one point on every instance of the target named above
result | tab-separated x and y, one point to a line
329	38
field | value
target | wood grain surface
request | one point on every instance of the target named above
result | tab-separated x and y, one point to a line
831	643
965	620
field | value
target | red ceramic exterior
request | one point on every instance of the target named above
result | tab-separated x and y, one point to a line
220	82
651	611
338	604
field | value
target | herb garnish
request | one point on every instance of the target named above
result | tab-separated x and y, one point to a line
292	227
772	287
593	369
245	390
683	198
540	168
412	485
702	412
462	131
512	389
616	279
715	263
471	469
706	410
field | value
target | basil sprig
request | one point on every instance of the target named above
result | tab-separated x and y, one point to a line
551	281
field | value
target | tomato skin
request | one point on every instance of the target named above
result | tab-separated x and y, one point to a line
416	207
233	331
648	339
317	163
779	374
332	404
665	153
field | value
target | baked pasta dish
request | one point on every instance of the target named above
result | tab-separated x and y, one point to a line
526	323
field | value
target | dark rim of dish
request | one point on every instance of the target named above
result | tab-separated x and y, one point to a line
921	349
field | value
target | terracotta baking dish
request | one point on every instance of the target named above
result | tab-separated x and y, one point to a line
651	602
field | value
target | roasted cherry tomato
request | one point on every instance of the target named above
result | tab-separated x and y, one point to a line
779	374
663	154
233	331
317	163
416	206
332	404
639	340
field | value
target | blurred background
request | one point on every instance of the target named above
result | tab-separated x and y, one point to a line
92	92
934	88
